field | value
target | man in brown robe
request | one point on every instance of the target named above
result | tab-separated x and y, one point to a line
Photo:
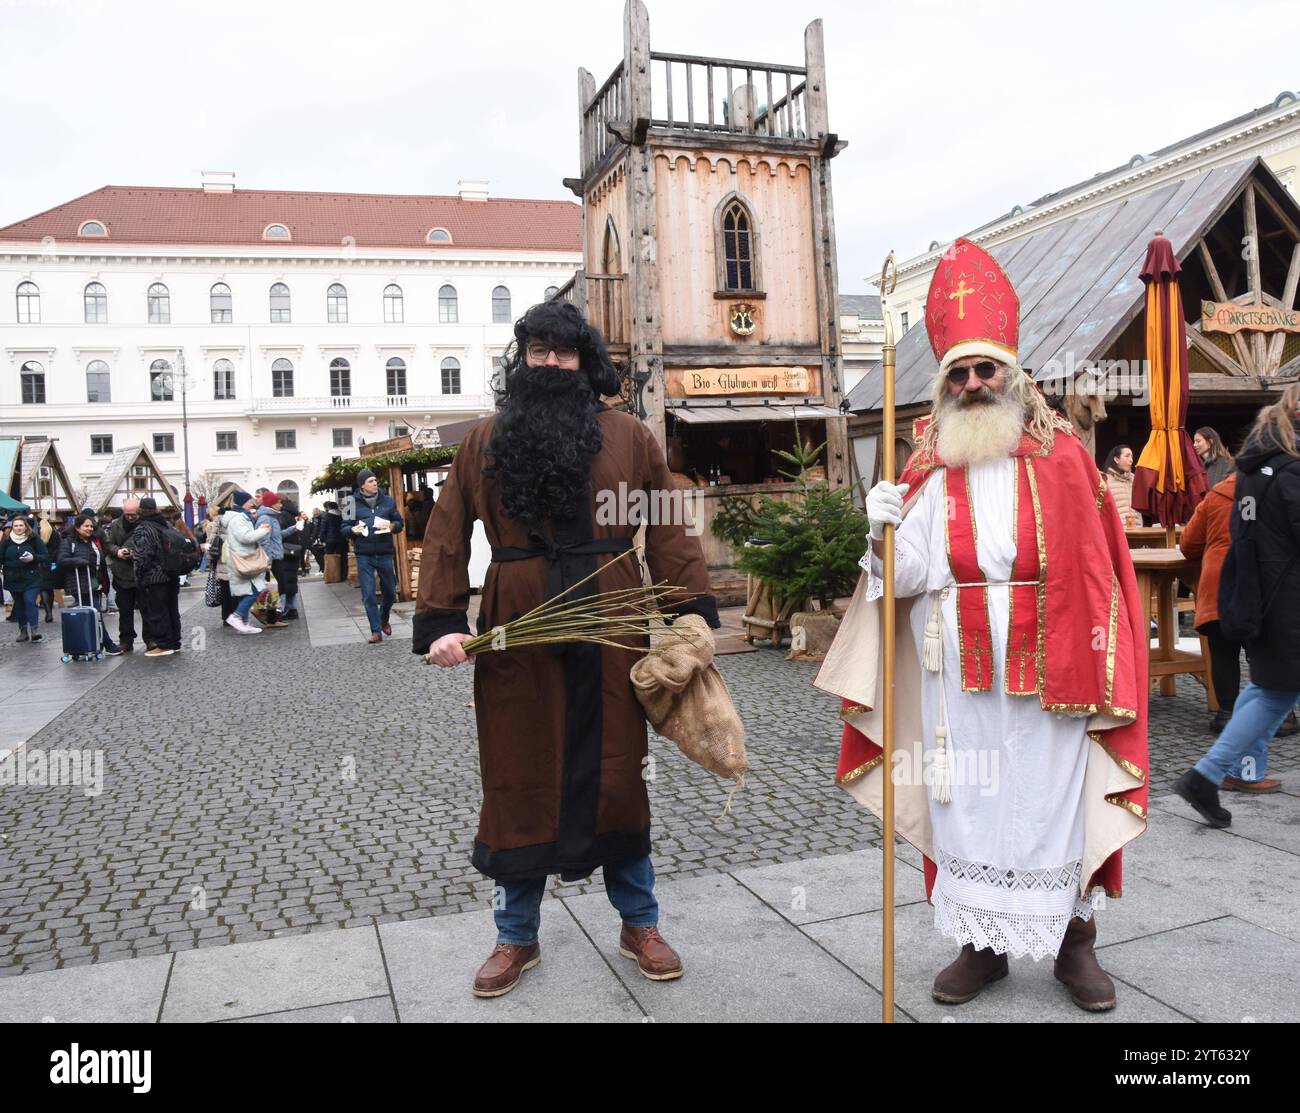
562	738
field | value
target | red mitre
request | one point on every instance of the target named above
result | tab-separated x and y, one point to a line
972	308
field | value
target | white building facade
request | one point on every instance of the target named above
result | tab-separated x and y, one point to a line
284	329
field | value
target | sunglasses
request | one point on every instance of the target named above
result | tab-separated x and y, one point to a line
985	369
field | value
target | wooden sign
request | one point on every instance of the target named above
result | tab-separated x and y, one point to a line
379	448
1227	316
746	380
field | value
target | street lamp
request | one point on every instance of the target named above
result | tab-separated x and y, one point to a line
164	385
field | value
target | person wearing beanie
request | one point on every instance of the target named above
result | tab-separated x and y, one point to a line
272	543
240	536
22	555
159	590
376	519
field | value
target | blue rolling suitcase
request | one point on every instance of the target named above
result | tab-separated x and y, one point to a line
81	628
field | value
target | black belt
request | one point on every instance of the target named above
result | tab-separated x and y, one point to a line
556	556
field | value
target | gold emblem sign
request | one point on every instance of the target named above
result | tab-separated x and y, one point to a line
742	319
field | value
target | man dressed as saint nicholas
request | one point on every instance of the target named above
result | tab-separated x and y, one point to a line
1021	668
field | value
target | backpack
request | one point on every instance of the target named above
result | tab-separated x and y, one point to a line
1241	603
180	555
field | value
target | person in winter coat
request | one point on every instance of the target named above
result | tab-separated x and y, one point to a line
216	544
268	514
122	566
1214	454
159	589
22	554
85	573
1206	538
240	536
1268	468
1118	471
377	519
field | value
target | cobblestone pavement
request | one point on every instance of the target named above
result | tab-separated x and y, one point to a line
257	787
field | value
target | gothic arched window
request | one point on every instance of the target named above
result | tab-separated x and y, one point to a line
736	243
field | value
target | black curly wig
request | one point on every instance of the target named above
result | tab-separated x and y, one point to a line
546	431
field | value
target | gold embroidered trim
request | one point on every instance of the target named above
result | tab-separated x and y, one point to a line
1040	591
854	709
1128	806
1128	767
1101	492
1112	635
861	771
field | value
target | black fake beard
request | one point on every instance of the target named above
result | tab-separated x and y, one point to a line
542	444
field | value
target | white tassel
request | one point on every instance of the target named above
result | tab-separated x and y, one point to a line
932	652
941	782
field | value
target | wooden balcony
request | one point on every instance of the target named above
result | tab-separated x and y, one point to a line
602	298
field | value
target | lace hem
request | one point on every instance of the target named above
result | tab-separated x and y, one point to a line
1013	912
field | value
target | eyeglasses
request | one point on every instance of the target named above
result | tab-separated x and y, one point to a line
538	353
985	369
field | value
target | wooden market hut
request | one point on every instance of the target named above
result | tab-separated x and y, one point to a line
709	260
1082	309
131	473
33	474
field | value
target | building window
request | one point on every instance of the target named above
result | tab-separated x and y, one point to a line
164	442
396	377
160	305
288	491
394	311
398	429
736	244
286	438
439	235
223	381
97	382
101	444
450	376
447	312
551	291
282	379
219	300
340	378
501	306
227	442
276	232
903	319
162	385
93	228
342	438
29	304
33	380
279	304
96	300
336	304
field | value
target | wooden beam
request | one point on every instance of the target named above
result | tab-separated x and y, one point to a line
1252	262
1214	354
1216	284
1276	342
1281	214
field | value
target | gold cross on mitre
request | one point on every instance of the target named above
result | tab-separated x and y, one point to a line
961	294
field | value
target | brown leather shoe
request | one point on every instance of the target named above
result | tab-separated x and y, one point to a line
387	629
1077	968
658	961
503	969
1265	784
375	639
961	980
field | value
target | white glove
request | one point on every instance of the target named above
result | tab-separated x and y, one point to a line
885	507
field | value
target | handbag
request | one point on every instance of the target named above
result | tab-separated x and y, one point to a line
249	567
212	589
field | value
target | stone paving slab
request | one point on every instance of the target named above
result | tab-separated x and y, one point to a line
1029	994
126	992
253	979
743	961
1225	971
432	964
370	1010
1270	820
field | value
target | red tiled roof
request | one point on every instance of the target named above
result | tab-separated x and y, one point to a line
154	215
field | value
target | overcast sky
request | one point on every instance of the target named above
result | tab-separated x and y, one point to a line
953	111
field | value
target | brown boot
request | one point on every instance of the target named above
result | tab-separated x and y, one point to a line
962	980
504	967
658	961
1077	967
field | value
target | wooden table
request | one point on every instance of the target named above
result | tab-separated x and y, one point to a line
1150	537
1158	571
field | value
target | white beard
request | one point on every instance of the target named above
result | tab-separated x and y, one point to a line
973	434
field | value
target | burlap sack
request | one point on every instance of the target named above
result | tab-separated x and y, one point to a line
686	699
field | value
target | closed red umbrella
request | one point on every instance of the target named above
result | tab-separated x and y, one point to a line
1169	479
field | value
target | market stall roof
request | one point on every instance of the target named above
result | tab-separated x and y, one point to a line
44	454
1078	279
11	505
119	466
709	415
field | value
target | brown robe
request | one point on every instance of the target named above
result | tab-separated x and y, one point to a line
562	738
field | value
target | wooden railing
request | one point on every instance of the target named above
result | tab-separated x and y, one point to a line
689	93
602	298
608	106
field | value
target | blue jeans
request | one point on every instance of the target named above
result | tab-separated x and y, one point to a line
26	612
1242	748
245	605
367	567
630	886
